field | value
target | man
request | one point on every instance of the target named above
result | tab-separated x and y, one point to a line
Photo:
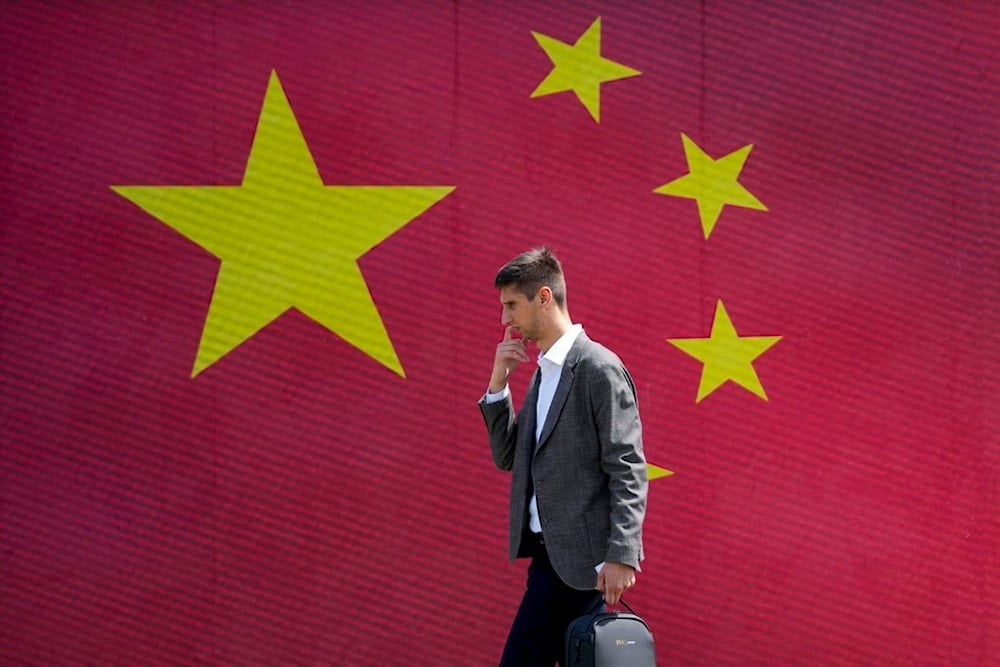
578	489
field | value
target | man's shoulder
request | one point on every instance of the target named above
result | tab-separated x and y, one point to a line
590	352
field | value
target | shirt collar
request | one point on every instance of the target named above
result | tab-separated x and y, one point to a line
557	353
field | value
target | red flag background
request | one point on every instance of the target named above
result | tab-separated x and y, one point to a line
298	502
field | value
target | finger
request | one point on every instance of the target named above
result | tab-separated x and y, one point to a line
507	333
609	591
516	348
512	350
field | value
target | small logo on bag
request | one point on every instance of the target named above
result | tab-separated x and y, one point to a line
624	642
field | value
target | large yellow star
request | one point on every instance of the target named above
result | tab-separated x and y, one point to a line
579	67
287	240
712	183
726	355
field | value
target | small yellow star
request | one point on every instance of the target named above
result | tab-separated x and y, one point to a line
712	183
287	240
726	355
656	472
579	67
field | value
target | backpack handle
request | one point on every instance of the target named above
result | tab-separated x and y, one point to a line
626	605
600	601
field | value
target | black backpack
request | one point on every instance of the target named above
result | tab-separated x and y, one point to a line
602	638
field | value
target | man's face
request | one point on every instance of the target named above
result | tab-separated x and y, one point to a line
520	312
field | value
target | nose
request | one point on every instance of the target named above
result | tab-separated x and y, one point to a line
505	318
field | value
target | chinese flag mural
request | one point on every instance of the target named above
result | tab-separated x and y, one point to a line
247	311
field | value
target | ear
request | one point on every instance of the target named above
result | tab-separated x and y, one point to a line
544	295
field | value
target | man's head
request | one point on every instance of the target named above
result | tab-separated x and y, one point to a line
532	270
533	296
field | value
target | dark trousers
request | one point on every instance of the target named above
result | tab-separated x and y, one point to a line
539	628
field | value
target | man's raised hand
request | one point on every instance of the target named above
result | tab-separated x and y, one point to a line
510	353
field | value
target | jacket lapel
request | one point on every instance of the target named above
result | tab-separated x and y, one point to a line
563	389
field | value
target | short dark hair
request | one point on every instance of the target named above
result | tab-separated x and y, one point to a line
530	271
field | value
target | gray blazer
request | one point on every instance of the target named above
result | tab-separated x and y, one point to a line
588	469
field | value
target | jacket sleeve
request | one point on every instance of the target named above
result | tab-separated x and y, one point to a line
622	460
501	427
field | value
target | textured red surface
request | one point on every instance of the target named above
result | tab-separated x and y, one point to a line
298	503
